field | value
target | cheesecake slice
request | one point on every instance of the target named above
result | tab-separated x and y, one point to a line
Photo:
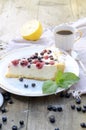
40	66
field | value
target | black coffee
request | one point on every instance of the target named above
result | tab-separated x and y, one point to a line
64	32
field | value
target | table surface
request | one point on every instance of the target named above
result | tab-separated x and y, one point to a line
33	110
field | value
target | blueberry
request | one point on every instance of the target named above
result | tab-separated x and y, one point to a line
61	94
26	85
59	109
3	110
10	101
72	107
21	79
84	106
83	125
56	129
67	95
28	66
78	100
4	119
49	107
14	127
52	119
33	84
0	125
21	122
78	108
83	110
54	108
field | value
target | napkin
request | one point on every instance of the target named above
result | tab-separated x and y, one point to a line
47	39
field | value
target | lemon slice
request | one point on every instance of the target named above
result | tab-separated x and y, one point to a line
32	30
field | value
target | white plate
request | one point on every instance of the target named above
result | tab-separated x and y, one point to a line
14	86
1	100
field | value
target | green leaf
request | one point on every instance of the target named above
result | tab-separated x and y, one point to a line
49	86
68	79
62	80
58	76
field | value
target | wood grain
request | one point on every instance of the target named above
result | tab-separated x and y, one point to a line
33	110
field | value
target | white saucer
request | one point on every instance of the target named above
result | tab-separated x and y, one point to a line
1	99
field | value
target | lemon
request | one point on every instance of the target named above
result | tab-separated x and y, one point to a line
32	30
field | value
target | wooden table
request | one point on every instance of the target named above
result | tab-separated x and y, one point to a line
33	110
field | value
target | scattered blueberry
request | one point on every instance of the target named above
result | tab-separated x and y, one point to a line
33	84
59	109
52	119
21	79
84	106
26	85
83	110
83	125
49	107
56	129
78	108
67	95
54	108
4	119
61	94
3	110
10	101
73	107
14	127
0	125
78	100
21	122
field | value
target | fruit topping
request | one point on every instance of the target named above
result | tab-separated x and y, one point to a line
46	57
24	62
52	62
39	65
15	62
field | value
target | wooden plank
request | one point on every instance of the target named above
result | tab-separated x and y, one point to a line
38	117
15	112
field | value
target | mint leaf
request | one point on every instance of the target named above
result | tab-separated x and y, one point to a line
49	86
58	76
62	80
67	79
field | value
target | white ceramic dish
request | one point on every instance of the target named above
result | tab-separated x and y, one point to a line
14	86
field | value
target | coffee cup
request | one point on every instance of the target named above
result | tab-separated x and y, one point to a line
66	36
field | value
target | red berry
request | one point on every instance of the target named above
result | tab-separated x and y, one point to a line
15	62
39	65
35	61
52	62
46	57
24	63
44	51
